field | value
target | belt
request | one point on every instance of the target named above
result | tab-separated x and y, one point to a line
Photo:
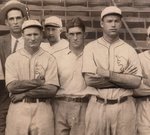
34	100
143	98
112	101
69	99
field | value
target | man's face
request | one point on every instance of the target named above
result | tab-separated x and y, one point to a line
32	37
111	25
53	34
14	20
76	37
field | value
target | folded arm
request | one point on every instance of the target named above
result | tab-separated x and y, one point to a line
128	81
45	91
18	86
144	88
109	79
99	82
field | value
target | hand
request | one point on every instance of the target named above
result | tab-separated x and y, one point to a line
102	72
146	81
40	80
17	97
41	77
145	78
130	70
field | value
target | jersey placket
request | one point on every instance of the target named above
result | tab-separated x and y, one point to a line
111	57
32	67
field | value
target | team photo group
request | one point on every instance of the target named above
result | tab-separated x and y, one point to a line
50	85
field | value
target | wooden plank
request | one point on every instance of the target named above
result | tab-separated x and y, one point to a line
53	2
124	2
32	2
3	28
34	7
75	2
139	30
54	8
93	3
142	3
134	19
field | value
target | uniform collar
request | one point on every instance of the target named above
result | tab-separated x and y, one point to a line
68	51
147	54
105	43
25	53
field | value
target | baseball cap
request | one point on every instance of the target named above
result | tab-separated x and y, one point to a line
111	10
12	4
53	21
30	23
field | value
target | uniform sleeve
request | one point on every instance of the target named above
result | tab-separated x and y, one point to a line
135	61
89	65
144	88
11	72
51	75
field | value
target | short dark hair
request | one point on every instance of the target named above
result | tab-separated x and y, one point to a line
14	9
75	22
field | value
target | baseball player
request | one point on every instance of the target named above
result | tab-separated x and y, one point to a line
12	14
31	79
143	94
53	30
112	67
71	99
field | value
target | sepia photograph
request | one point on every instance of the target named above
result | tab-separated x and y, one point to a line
74	67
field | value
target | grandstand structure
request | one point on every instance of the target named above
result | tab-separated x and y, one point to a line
135	21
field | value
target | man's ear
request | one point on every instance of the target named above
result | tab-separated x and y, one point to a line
24	19
101	23
85	34
6	22
148	41
22	34
42	34
61	30
67	35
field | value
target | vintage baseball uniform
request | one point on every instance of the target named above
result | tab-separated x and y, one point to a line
110	119
69	113
62	44
143	103
34	118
